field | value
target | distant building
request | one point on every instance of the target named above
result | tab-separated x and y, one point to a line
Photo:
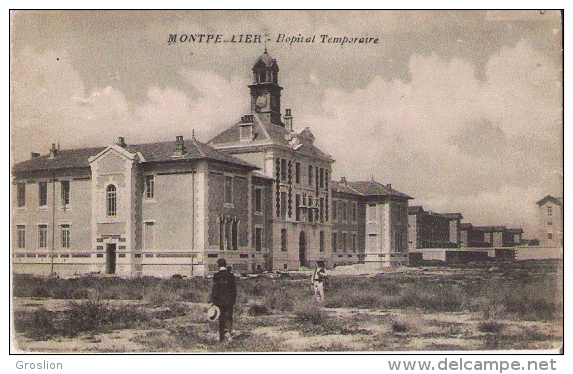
369	218
489	236
550	221
433	230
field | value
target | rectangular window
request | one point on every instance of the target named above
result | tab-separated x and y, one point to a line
228	236
321	241
549	211
228	190
65	193
258	200
321	178
297	172
283	170
372	242
550	223
235	235
42	236
149	235
283	240
343	239
283	205
354	212
334	238
21	236
550	236
371	212
258	239
353	242
43	193
150	186
297	211
344	208
321	206
334	204
21	191
65	236
310	175
222	236
310	210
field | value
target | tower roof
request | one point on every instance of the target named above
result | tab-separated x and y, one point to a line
266	59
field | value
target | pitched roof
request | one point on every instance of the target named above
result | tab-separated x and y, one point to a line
373	188
343	188
453	215
484	228
268	132
550	198
152	152
258	174
415	209
66	159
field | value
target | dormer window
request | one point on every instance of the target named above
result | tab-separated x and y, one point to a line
246	132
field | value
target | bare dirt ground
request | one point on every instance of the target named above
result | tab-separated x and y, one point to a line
339	329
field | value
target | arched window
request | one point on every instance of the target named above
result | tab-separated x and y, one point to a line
111	200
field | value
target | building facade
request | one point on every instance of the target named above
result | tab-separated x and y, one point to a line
550	213
259	194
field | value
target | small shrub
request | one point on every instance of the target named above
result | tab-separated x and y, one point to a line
258	309
309	312
492	327
399	326
37	325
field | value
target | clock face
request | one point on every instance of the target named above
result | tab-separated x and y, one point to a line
261	101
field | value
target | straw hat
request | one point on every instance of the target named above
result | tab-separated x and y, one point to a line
213	313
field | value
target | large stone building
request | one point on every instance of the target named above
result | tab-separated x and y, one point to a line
259	194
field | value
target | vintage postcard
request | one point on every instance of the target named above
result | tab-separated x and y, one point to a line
286	181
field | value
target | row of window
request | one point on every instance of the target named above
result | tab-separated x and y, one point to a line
343	242
316	174
344	211
65	234
43	193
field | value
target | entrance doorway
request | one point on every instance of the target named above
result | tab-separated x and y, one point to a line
302	249
110	259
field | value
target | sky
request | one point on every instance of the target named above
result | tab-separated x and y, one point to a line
462	110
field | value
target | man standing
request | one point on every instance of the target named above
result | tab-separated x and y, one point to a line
224	296
318	281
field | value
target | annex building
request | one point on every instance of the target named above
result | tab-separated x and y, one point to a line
259	194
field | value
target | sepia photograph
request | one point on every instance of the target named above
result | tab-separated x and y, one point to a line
310	181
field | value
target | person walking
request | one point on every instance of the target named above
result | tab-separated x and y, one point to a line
319	279
224	296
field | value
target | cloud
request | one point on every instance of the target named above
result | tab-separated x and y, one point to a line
50	104
446	136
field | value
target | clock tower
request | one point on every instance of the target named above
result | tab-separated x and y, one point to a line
265	90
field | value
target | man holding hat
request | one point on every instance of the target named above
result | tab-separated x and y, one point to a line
224	296
318	281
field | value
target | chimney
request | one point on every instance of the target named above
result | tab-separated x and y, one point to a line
179	147
343	181
121	142
53	151
34	154
389	185
288	120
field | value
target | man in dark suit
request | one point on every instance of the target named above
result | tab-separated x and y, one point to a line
224	296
